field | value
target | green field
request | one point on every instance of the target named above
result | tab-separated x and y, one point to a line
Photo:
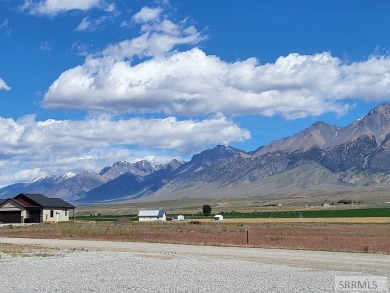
348	213
106	217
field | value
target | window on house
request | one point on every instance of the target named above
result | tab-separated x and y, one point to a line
66	212
51	214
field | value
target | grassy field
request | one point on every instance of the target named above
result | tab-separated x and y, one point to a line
261	232
305	214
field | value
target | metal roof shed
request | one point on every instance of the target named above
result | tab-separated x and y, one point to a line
152	215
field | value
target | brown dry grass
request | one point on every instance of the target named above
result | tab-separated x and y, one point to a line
26	250
283	233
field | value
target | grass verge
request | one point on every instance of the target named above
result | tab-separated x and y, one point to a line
26	250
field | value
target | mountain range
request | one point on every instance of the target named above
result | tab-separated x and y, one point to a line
321	158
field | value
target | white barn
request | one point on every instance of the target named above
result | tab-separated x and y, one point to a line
152	215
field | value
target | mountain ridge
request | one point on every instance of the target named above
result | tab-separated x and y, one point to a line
352	157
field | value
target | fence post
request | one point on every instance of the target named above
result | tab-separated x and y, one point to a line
247	235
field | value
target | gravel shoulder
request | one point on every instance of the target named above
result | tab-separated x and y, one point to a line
102	266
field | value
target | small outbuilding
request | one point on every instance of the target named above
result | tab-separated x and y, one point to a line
218	217
152	215
180	217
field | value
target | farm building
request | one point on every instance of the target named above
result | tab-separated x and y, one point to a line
34	208
344	201
180	217
152	215
218	217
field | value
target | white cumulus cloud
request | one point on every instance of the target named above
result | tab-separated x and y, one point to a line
165	79
158	38
60	146
53	7
18	175
167	133
3	85
147	14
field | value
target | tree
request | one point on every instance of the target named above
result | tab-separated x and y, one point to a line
206	210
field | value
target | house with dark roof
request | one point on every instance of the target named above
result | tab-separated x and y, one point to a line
152	215
34	208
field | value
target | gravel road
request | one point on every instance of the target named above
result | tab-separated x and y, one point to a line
103	266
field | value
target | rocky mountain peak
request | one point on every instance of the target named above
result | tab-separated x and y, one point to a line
317	135
215	154
46	177
144	165
226	149
319	125
382	109
140	168
69	175
375	124
174	164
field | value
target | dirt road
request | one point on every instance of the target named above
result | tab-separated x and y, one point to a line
146	264
357	262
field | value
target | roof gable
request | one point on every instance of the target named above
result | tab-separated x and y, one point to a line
43	201
26	203
12	202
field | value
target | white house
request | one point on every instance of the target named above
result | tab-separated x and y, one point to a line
218	217
152	215
180	217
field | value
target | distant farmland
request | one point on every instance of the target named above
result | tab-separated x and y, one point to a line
329	213
349	213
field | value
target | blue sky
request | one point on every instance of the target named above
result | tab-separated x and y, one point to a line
85	83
